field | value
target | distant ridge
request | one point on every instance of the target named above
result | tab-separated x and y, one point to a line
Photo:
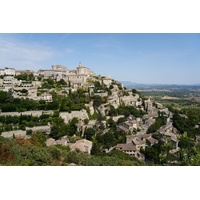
133	84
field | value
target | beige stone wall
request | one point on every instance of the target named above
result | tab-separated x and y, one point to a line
34	113
10	134
69	116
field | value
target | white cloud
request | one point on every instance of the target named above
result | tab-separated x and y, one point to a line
69	51
18	54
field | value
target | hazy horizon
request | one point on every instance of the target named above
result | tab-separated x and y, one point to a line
145	58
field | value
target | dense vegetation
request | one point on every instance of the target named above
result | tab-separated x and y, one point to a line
126	110
74	101
22	152
9	123
160	121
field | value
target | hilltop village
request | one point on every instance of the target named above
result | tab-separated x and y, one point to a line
83	111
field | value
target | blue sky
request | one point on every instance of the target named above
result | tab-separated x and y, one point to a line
142	58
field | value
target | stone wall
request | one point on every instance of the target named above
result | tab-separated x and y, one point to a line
9	134
69	116
33	113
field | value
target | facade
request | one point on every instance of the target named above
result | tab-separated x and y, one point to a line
84	70
9	71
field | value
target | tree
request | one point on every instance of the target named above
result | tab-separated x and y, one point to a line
24	91
38	139
31	156
50	81
134	91
156	125
96	148
86	121
39	78
10	94
120	120
54	132
54	152
113	111
21	141
152	154
6	155
72	157
61	82
111	87
111	123
97	100
89	132
109	138
3	96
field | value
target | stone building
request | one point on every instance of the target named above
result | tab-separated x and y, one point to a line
59	67
82	145
84	70
132	147
128	126
1	72
7	71
128	100
18	72
148	105
106	81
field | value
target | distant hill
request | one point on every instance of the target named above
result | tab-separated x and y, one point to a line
130	84
196	84
133	84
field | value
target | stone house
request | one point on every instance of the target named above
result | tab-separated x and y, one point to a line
128	100
82	145
50	142
52	73
132	146
148	105
171	137
151	141
130	125
10	80
84	70
31	93
159	105
46	97
107	81
63	141
130	149
9	71
148	139
122	128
